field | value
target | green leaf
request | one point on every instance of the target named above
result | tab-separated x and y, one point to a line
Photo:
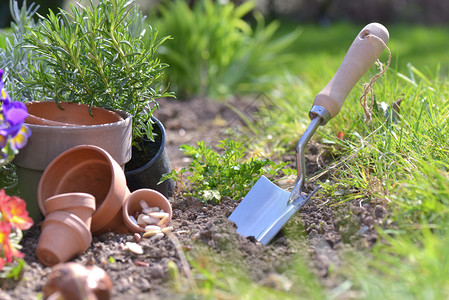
16	270
98	55
214	175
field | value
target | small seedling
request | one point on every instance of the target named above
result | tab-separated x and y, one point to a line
213	175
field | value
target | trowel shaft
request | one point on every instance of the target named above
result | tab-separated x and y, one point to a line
301	148
327	104
319	116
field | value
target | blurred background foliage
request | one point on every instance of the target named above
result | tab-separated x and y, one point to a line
427	12
44	6
236	48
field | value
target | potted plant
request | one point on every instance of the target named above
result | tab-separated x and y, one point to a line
100	55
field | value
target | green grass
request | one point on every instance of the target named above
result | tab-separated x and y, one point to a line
401	160
321	49
319	53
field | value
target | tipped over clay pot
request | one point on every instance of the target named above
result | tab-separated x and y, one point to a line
133	207
63	237
79	204
88	169
68	114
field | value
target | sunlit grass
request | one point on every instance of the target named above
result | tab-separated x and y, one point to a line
400	157
319	48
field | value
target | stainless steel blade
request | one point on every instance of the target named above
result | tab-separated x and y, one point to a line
265	210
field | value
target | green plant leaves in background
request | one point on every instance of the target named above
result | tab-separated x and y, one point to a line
215	52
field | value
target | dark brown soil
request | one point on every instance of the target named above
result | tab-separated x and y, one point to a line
321	232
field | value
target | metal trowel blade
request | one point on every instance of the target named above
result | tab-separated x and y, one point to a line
264	211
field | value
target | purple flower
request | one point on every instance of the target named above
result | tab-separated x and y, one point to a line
13	132
14	114
20	139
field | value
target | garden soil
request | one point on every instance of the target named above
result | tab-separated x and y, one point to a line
203	232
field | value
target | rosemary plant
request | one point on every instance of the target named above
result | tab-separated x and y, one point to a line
100	55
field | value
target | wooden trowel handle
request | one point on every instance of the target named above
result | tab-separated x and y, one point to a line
364	51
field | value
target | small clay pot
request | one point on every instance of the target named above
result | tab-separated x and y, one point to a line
63	237
68	114
132	207
88	169
80	204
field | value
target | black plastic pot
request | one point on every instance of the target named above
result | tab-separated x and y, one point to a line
149	163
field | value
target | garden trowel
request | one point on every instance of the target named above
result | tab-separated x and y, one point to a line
266	208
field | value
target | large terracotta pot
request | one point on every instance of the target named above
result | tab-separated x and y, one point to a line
63	237
88	169
106	129
132	207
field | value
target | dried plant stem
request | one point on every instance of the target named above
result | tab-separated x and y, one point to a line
368	87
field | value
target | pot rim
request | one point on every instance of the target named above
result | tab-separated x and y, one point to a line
127	117
43	144
89	204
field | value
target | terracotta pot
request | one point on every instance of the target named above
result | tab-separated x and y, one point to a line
153	164
132	207
80	204
68	114
47	142
63	237
88	169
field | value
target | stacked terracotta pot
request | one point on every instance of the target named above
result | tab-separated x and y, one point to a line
84	191
81	191
66	229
